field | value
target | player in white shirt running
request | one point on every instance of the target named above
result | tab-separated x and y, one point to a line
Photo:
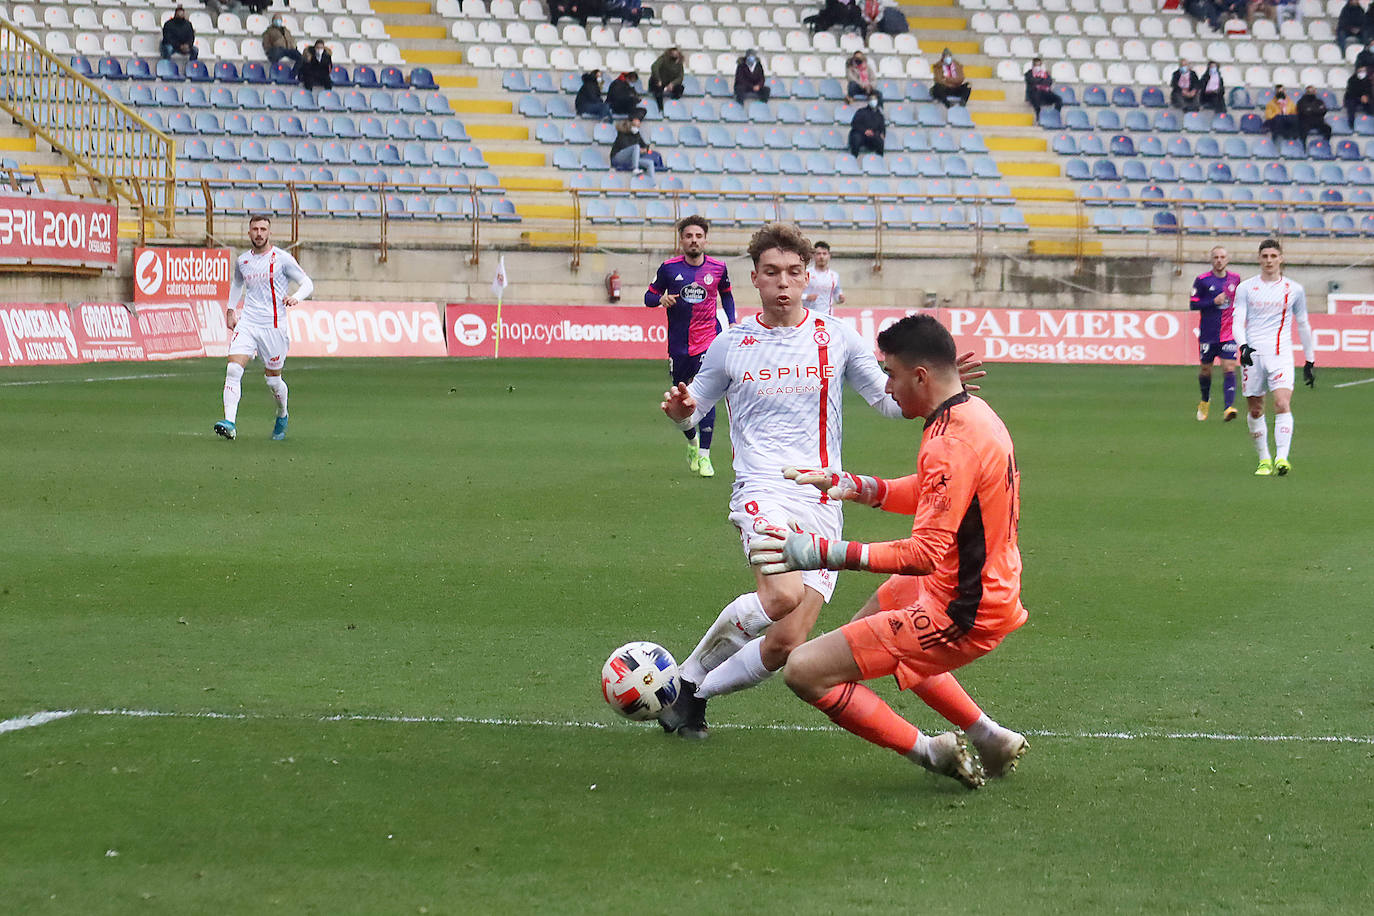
1266	308
782	373
262	275
823	291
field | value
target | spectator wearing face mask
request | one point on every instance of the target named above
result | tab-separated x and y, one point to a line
860	77
589	101
1038	91
949	81
867	129
1183	88
1366	56
315	69
278	43
1213	88
1281	116
1359	96
750	79
1312	115
622	95
666	76
630	152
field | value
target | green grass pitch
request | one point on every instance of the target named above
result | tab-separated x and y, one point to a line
398	617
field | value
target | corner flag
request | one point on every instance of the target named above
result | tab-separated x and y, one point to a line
498	288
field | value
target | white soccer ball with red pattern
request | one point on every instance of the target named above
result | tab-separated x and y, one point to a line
639	679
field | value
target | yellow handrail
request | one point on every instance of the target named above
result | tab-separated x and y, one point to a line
96	132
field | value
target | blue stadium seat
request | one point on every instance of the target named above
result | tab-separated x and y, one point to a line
1209	195
168	70
1121	145
1153	97
421	78
1133	220
290	126
388	154
1239	98
179	122
1065	145
1303	173
283	73
958	116
276	99
1236	148
394	78
396	129
590	158
1292	149
207	124
1360	175
1137	121
1165	223
384	102
830	88
1254	224
82	65
411	103
1078	169
1134	170
1106	220
138	69
1226	224
540	81
943	141
1195	221
254	150
308	153
1288	224
360	153
340	77
1331	173
1191	171
1343	226
365	77
1220	173
1207	148
195	97
295	174
1095	96
1092	195
1248	173
226	150
558	107
931	166
1123	97
1197	122
1108	121
1091	145
719	136
265	125
732	112
110	69
805	88
237	123
1242	198
195	150
1303	198
1050	119
1150	145
1276	173
141	96
1224	123
1348	150
1251	123
929	114
1104	170
1179	147
1319	149
1152	195
1166	122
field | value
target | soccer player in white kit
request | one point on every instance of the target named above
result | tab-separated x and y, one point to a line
1266	308
782	373
823	291
262	275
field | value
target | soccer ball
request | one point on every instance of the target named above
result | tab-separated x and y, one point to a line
639	680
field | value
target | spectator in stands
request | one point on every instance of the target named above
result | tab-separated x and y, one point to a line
1269	9
666	75
1038	91
179	36
1184	91
278	43
860	77
1213	88
1359	95
622	95
630	152
867	129
1366	56
1206	11
1350	25
843	13
949	81
1281	116
573	9
589	101
254	6
629	11
1312	115
315	68
750	79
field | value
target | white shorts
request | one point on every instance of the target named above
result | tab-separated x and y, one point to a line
824	519
267	344
1270	371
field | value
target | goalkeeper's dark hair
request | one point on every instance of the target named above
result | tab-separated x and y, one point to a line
694	220
1271	243
919	340
783	236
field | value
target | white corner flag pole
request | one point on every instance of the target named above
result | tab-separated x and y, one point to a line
498	286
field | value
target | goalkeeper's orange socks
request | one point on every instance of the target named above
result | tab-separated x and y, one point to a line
856	709
946	696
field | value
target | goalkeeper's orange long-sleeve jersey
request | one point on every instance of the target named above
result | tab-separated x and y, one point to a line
966	499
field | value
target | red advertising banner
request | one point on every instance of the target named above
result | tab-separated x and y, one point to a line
366	329
1059	336
168	331
33	334
105	331
182	274
576	331
1347	304
57	231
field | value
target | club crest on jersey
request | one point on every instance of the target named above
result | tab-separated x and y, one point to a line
822	337
708	279
693	293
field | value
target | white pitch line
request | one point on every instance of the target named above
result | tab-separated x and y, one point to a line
1363	381
107	378
44	717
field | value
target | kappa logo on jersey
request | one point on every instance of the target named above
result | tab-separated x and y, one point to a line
748	341
693	293
822	337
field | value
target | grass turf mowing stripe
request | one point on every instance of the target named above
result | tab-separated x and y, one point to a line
46	716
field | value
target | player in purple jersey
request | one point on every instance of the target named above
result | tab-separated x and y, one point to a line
690	288
1213	298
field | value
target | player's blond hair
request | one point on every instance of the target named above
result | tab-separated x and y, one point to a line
783	236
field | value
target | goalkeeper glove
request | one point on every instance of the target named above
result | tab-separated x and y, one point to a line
842	485
781	550
1247	357
1309	374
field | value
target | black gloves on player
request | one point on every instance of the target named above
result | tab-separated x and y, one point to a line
1247	357
1309	373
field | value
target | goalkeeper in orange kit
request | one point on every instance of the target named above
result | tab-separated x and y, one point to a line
955	592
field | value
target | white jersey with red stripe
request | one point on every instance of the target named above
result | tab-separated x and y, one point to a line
263	280
784	390
1265	313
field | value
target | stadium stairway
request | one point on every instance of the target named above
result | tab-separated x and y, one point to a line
1008	127
21	149
519	162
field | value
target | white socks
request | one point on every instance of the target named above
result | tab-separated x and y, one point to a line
921	752
743	669
233	378
1259	432
983	730
278	386
740	621
1283	434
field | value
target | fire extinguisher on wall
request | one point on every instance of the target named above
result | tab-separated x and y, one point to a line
613	286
